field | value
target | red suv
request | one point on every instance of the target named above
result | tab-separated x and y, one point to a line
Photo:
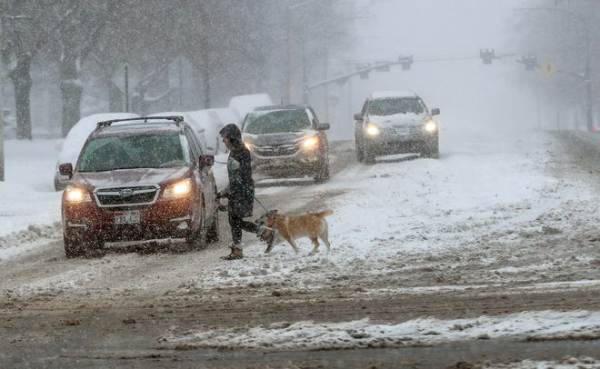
139	180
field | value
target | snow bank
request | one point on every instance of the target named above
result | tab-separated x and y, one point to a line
307	335
243	104
568	362
211	121
27	197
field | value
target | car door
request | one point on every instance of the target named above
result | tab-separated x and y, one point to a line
204	176
322	135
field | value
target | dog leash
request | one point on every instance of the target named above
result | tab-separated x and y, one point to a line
261	204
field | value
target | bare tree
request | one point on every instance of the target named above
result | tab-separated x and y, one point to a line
24	32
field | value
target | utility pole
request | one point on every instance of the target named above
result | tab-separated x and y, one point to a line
1	130
1	124
126	87
588	81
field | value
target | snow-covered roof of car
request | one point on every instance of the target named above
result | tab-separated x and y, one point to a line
81	130
135	127
243	104
392	94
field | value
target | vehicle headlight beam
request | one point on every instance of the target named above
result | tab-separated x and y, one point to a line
178	190
77	195
372	130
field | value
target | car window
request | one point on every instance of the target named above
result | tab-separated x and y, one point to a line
194	144
390	106
276	121
133	151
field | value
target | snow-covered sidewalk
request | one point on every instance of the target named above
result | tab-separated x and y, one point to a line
29	205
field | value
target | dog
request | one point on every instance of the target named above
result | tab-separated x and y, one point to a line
292	227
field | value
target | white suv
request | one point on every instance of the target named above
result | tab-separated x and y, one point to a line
395	122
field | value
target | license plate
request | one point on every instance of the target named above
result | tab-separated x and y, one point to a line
401	130
128	217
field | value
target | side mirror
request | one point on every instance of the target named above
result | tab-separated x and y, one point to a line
435	111
206	161
323	126
358	116
66	170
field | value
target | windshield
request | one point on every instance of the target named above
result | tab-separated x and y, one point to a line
278	121
136	151
393	106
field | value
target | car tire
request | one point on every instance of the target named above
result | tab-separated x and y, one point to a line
73	247
196	240
323	172
431	149
212	234
76	247
368	155
359	153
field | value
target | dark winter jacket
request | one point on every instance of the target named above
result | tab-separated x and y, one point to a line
241	184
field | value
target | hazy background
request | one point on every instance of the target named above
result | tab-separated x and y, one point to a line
190	55
471	95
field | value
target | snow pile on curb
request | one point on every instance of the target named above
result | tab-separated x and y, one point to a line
26	240
306	335
568	362
28	196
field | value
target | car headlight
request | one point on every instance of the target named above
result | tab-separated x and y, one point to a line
310	143
373	130
178	189
248	145
77	195
431	126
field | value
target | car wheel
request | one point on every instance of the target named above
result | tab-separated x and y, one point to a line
369	156
212	234
73	247
76	247
431	149
323	172
197	239
359	154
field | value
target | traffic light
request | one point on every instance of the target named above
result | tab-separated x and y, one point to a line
487	56
406	62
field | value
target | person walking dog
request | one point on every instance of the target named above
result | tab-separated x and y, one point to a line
240	192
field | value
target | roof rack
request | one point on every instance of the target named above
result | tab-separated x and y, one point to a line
107	123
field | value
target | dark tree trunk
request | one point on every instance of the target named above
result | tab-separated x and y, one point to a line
21	79
71	91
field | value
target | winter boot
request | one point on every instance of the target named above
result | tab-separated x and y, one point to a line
236	253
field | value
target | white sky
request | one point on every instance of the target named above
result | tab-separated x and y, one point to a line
468	93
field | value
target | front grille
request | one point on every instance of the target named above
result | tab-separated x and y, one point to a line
126	196
277	150
403	130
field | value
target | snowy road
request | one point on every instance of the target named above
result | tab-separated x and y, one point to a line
494	247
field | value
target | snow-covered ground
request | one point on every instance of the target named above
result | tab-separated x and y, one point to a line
306	335
29	205
484	190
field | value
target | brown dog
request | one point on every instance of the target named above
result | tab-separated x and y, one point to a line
292	227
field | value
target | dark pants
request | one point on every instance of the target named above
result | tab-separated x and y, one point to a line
238	224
